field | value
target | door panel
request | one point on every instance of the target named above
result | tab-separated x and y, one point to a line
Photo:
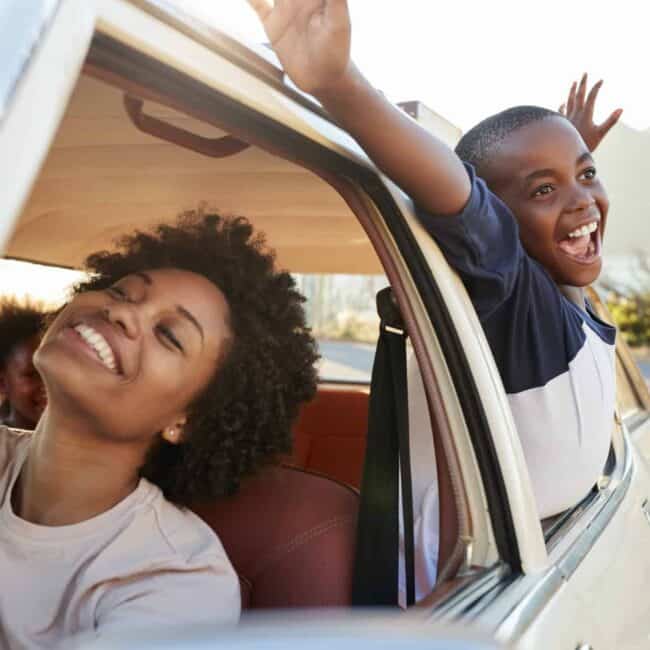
605	575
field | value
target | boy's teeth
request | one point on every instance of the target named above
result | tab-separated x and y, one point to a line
99	344
584	230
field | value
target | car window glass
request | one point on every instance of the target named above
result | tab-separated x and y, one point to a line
626	394
341	312
26	280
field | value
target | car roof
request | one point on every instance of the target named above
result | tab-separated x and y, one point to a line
103	176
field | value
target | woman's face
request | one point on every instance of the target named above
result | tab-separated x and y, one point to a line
130	359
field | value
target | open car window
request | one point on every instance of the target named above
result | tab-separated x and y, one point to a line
49	285
631	410
632	394
105	175
342	313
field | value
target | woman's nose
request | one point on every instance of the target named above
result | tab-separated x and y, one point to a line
123	315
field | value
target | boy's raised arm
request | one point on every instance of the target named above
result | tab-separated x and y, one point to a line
312	40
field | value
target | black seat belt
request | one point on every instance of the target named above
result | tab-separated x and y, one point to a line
387	459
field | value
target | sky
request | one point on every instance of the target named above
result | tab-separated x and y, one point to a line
467	59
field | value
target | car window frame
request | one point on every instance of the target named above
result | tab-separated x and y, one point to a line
357	175
366	181
376	191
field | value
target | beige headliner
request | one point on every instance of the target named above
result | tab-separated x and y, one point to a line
103	177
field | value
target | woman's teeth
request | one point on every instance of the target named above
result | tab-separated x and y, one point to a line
99	344
584	230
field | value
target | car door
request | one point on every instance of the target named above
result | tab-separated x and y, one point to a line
506	575
139	48
579	576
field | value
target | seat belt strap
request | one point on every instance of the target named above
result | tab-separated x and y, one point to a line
387	459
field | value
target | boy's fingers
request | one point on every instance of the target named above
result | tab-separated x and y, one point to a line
582	89
610	121
593	94
276	16
562	109
571	102
261	7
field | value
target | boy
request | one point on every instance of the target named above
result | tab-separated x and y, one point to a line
22	395
524	248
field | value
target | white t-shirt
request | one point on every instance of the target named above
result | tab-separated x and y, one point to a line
143	564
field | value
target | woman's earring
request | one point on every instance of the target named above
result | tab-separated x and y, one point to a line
173	435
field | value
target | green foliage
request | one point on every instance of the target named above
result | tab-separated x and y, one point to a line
631	313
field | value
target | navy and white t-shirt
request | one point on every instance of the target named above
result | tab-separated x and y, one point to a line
556	360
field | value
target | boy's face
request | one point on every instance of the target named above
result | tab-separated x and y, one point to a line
22	386
545	174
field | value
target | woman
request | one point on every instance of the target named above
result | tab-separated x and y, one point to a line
177	368
22	397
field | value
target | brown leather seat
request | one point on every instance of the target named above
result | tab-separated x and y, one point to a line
330	434
290	536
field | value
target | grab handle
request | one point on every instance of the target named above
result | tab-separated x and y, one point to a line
213	147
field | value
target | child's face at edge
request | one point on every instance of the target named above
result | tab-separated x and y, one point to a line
545	174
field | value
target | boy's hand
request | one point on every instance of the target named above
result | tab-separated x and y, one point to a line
311	39
580	112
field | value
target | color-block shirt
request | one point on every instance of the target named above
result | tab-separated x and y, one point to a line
556	360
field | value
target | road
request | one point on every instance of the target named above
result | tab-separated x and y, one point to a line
347	361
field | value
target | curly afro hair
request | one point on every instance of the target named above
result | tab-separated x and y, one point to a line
243	418
18	322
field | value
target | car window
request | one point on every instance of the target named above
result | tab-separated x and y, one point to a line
288	203
341	312
632	370
47	284
626	394
630	404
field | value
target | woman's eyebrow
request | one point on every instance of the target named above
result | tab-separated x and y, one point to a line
179	308
189	316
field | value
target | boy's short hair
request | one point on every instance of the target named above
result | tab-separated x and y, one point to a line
479	143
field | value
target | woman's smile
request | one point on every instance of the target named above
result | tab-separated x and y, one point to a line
94	345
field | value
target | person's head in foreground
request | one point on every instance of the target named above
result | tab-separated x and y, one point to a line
537	163
185	354
22	395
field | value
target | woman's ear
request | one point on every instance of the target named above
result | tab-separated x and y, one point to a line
174	434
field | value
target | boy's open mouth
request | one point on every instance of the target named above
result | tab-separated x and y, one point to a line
583	244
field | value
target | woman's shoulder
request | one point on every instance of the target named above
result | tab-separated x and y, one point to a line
173	548
183	533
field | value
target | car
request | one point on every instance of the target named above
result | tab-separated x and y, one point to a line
117	114
318	630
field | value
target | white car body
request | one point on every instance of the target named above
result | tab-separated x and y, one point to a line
587	583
